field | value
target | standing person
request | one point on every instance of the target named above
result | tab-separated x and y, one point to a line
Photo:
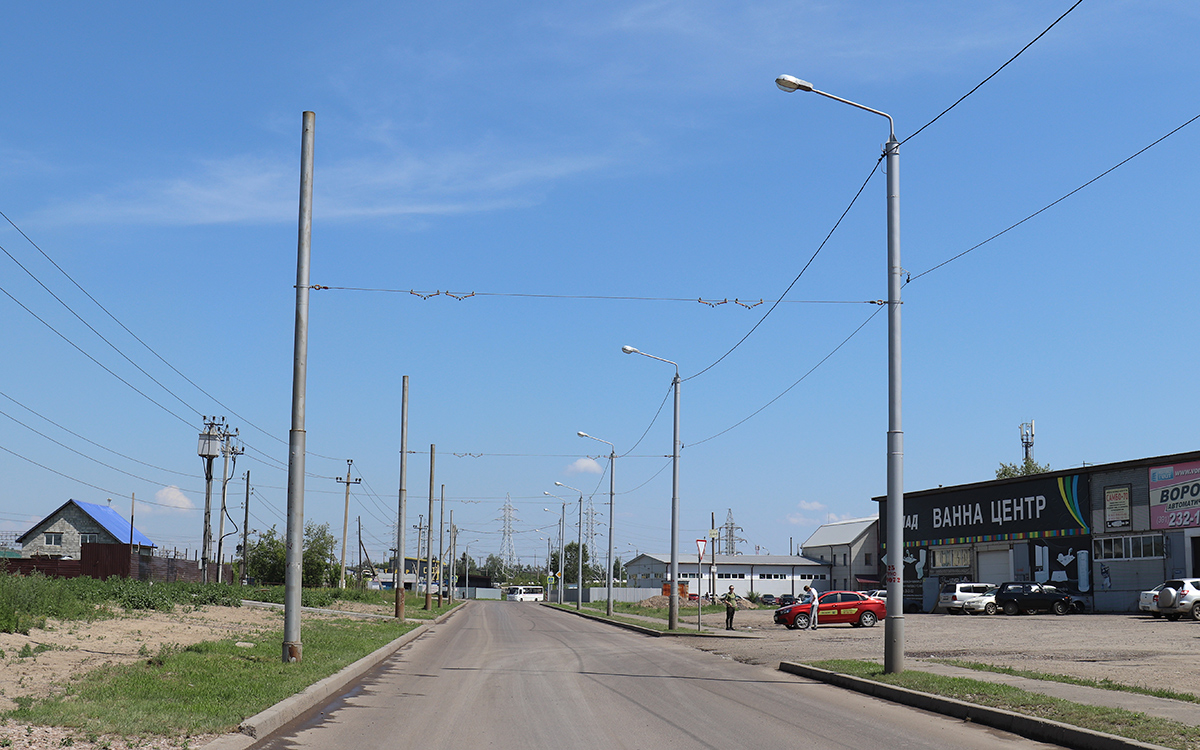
730	600
810	596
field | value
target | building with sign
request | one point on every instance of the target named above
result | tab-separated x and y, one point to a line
1104	532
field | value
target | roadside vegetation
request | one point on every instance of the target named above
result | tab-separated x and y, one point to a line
206	687
28	601
1136	726
1051	677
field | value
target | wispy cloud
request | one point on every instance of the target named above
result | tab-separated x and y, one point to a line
585	466
256	189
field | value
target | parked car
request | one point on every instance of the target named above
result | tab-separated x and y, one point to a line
1018	597
985	603
767	600
952	595
1148	601
852	607
1179	597
911	605
787	600
877	594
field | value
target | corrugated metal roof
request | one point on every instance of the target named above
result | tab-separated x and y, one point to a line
839	532
108	518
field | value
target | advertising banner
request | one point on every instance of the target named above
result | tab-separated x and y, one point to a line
1045	506
1175	496
1116	506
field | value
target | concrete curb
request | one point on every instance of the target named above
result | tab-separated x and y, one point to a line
263	723
646	630
1030	727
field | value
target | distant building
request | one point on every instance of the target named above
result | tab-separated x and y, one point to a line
762	574
852	549
60	534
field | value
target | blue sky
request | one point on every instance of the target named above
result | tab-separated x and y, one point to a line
581	153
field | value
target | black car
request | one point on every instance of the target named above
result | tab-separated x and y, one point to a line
786	600
767	600
1016	597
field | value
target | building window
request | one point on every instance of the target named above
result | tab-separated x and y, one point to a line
1148	546
53	538
89	538
866	558
959	557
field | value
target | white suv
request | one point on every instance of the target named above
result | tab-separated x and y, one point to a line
953	595
1179	597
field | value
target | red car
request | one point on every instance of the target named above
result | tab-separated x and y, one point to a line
853	607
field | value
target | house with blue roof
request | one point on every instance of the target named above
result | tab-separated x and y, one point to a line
61	534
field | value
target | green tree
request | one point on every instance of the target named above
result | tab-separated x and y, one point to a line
266	559
1023	469
320	564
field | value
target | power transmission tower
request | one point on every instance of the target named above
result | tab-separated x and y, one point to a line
508	554
729	534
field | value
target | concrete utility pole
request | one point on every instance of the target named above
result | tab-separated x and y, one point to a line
450	559
441	545
420	527
429	560
398	582
346	519
209	448
227	449
293	649
246	531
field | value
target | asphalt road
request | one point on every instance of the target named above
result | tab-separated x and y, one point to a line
511	675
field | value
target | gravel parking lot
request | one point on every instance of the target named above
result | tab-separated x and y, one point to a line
1125	648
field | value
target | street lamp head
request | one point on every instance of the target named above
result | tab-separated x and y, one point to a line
792	83
559	484
629	350
582	434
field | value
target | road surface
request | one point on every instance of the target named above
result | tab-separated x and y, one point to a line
522	676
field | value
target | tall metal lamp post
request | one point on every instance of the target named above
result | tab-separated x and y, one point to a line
673	599
893	656
579	551
562	542
612	467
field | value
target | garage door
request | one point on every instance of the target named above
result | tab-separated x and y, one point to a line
994	567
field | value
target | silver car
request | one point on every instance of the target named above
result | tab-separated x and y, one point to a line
1179	597
984	603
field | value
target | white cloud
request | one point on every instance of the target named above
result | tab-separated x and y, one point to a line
585	466
255	189
168	500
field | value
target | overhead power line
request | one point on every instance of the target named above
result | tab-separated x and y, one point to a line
993	75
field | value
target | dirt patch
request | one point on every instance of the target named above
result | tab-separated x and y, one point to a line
63	651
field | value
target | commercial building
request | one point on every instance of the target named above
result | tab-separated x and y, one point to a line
852	549
1105	533
761	574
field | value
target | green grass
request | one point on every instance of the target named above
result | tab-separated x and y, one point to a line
1105	684
1116	721
206	687
28	601
686	609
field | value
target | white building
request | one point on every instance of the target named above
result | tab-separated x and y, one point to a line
762	574
851	549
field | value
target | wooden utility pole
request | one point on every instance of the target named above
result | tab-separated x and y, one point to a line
346	520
